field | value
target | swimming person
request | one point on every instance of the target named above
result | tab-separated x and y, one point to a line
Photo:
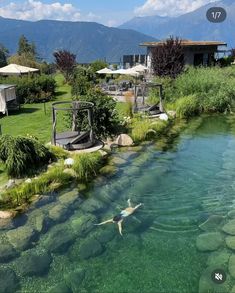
118	219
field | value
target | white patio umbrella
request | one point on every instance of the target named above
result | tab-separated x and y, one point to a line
126	72
140	68
104	71
14	69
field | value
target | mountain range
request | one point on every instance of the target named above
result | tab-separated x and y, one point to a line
88	40
193	25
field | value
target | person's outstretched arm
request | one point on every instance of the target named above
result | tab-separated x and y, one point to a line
120	227
105	222
138	205
129	203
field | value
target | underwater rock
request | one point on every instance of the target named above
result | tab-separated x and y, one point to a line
218	258
108	170
6	214
58	213
207	285
118	161
90	248
22	237
74	279
60	288
69	198
59	238
92	204
6	224
231	214
104	236
82	224
39	221
43	200
9	282
231	265
32	264
230	242
229	228
130	155
124	140
212	223
233	289
209	241
7	252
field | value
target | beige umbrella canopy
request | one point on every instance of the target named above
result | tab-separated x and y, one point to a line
104	71
140	68
126	72
14	69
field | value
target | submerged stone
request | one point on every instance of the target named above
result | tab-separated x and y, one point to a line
32	264
7	252
230	242
229	228
39	221
9	282
59	239
105	236
108	170
118	161
74	279
58	213
231	265
82	224
209	241
212	223
218	259
22	237
60	288
231	214
92	204
90	248
69	198
6	224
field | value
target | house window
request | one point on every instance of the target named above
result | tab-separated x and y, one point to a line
198	59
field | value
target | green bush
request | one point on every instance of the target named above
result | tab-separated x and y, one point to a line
86	165
105	117
33	89
22	155
187	106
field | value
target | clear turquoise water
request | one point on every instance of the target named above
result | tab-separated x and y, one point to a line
180	188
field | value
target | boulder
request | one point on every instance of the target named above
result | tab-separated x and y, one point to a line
229	228
22	237
10	184
82	224
209	241
218	259
163	117
108	170
231	265
74	279
124	140
6	224
212	223
39	220
118	161
92	204
230	242
9	282
59	239
90	248
69	162
106	235
231	214
58	213
69	198
6	214
7	252
32	264
60	288
43	200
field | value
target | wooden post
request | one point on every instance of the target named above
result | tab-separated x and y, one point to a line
54	126
161	98
90	121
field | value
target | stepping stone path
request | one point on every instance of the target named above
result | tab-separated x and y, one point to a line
229	228
219	258
209	241
58	213
22	237
212	223
82	224
230	242
7	252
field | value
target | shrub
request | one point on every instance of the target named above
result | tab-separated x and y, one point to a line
33	89
105	117
22	155
58	152
86	165
187	106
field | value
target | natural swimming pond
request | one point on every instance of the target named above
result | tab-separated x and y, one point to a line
172	243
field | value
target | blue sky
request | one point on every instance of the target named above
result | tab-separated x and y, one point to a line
108	12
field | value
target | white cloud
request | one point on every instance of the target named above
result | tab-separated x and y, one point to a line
36	10
169	7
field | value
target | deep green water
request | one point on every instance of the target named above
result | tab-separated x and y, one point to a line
180	189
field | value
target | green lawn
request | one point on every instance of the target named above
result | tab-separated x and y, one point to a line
31	119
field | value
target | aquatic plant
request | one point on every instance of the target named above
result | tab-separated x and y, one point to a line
86	165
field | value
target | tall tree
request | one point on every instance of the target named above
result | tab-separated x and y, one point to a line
25	48
65	62
168	58
3	55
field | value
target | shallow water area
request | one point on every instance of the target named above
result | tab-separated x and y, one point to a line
171	244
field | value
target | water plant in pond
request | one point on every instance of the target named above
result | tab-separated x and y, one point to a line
87	164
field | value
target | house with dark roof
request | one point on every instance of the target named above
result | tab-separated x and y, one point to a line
195	52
